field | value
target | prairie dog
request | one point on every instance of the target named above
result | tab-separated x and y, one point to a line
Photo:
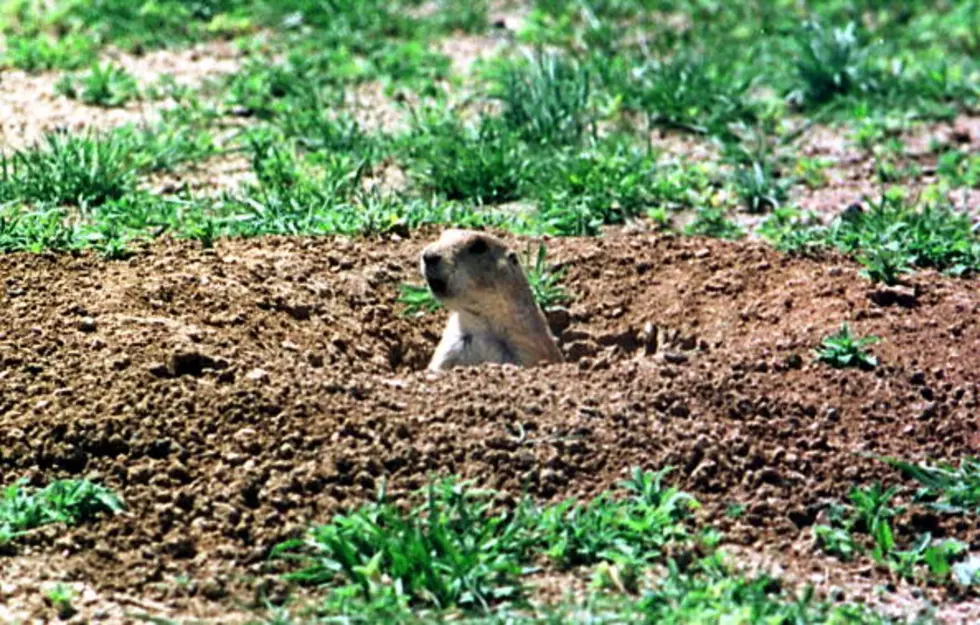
492	313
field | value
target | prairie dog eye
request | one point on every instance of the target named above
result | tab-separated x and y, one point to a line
478	247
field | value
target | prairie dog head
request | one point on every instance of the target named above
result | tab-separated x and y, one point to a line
473	272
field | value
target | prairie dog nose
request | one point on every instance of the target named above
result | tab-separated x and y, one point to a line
431	260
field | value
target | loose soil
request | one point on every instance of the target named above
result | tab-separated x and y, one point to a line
234	396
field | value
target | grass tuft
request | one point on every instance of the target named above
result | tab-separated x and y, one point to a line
69	169
713	222
547	99
486	164
62	501
831	62
107	86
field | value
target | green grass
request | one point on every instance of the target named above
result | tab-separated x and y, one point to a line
713	222
890	238
483	164
865	527
69	169
137	25
39	53
945	487
832	62
842	349
60	598
62	501
107	86
959	169
457	549
547	99
691	94
453	552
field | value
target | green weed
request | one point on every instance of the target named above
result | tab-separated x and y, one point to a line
735	510
40	53
837	541
812	172
831	62
565	216
627	532
945	487
458	549
69	169
35	231
959	169
452	550
713	594
417	300
842	349
872	515
62	501
758	188
938	557
691	590
869	514
611	61
756	164
60	597
108	86
135	25
690	94
545	282
265	89
110	239
610	182
471	16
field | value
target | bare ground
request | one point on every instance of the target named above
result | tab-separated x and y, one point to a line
234	396
29	106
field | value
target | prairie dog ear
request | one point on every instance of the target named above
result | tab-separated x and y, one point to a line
512	258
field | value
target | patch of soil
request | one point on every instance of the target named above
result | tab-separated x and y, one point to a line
233	396
209	178
29	106
465	50
851	171
191	66
376	110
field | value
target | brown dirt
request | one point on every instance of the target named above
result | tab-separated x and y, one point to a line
234	396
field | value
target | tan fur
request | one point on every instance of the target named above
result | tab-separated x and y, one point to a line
493	316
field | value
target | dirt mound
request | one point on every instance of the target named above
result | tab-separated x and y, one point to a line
235	395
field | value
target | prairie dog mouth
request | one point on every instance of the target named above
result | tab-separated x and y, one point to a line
438	286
